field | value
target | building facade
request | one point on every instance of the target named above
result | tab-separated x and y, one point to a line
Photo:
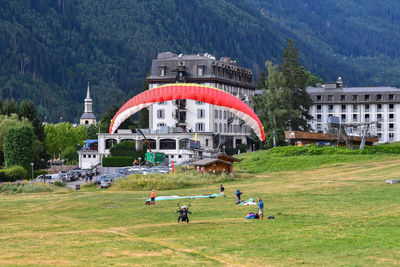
88	116
357	105
195	116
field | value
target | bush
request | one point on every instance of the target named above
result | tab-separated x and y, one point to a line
60	184
16	173
117	161
18	146
37	173
3	176
10	189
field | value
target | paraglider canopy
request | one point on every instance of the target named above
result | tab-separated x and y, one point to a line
196	92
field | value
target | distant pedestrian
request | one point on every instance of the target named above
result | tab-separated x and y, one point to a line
222	190
153	197
260	209
90	177
237	196
86	178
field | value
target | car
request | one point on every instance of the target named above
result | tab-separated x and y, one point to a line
98	179
106	182
148	171
47	178
161	169
65	178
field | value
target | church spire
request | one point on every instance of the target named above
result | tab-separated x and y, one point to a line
88	91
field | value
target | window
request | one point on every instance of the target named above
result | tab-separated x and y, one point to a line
89	156
379	126
200	127
161	114
366	107
220	114
366	97
391	117
224	128
220	127
216	114
330	97
184	143
171	156
319	108
355	108
200	70
224	114
161	125
343	108
343	97
380	136
167	144
391	127
86	122
319	97
391	107
84	156
162	103
379	107
319	118
199	102
319	128
153	143
366	117
391	136
391	97
343	117
355	118
378	97
330	108
94	156
354	97
110	143
379	117
201	113
215	127
161	71
206	142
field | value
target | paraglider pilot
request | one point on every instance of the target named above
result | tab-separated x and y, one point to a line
183	214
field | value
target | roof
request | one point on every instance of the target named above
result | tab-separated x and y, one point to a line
353	90
209	161
226	157
88	116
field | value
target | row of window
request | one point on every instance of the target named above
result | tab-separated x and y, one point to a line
379	117
224	128
201	114
162	71
226	114
89	156
355	108
165	102
357	97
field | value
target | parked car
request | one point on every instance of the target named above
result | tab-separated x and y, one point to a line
106	182
47	178
101	177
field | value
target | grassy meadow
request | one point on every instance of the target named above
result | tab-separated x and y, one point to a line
335	214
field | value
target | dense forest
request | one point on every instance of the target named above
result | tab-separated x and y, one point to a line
358	38
50	49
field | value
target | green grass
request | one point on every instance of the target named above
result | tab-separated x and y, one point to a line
20	188
341	215
175	180
303	158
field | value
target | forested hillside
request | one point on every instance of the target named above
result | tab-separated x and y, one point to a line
51	48
358	38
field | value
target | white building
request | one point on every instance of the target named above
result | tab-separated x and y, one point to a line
357	104
173	124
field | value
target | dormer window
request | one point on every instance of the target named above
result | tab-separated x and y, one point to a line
161	71
200	70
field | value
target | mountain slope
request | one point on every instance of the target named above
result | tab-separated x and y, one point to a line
360	37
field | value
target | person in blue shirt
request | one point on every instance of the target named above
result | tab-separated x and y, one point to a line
260	209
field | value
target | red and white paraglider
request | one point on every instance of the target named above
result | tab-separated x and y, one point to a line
196	92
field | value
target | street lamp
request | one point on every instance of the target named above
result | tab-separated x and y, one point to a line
32	169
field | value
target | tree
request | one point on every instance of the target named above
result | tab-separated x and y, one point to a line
62	135
18	146
296	81
10	107
91	132
144	113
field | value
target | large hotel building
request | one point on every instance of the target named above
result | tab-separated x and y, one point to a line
357	105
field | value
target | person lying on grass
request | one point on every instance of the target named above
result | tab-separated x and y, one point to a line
183	214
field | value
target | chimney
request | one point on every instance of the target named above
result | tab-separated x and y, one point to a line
339	83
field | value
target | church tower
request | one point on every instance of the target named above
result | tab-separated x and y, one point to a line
88	116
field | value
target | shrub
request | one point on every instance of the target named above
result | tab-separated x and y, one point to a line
37	173
18	146
25	188
16	173
3	176
117	161
60	184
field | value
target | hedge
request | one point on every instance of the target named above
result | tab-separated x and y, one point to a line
117	161
12	174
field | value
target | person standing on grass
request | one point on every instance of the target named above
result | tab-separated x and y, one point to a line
153	197
237	196
260	209
222	190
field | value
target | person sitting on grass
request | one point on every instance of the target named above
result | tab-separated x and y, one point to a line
183	214
153	197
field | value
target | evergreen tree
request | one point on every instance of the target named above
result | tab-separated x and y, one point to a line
91	132
296	81
10	107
